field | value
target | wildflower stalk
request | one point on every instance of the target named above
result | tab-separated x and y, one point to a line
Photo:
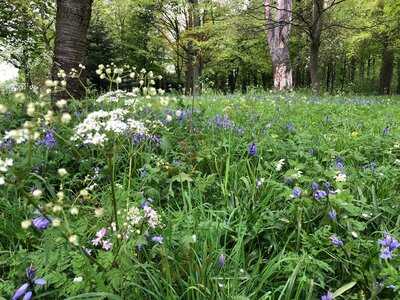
112	179
192	111
30	153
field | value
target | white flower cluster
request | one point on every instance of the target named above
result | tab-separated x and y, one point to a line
20	135
152	217
280	164
136	218
99	125
4	165
116	96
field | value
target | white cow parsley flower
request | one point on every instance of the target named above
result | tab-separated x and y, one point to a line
98	126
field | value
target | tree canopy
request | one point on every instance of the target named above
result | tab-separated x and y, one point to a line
334	45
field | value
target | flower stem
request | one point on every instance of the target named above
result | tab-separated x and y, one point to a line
112	179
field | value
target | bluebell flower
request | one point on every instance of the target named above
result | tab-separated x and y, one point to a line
319	194
385	253
158	239
24	290
21	291
327	296
252	149
296	192
388	244
221	260
6	144
386	131
146	202
139	138
30	272
314	186
41	223
339	163
372	166
336	241
48	140
290	127
223	122
143	172
327	186
332	214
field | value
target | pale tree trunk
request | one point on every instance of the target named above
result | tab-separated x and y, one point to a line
278	31
193	66
72	23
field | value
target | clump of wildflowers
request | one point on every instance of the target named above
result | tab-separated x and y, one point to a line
319	194
157	239
339	163
4	166
336	241
140	219
332	215
101	241
340	177
221	260
388	245
25	291
296	193
252	149
41	223
327	296
48	140
223	122
260	182
280	164
98	126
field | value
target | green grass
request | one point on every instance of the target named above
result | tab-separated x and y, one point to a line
204	184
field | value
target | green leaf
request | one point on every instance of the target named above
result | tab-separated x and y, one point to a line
344	289
96	296
182	177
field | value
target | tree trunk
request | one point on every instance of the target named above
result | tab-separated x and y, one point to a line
328	75
333	77
315	42
193	68
398	76
362	70
232	78
386	73
72	23
314	66
344	72
278	32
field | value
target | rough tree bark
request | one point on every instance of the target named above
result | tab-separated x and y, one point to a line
386	73
315	42
72	23
278	31
398	76
193	66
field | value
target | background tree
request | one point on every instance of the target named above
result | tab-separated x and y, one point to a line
72	23
278	21
26	38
